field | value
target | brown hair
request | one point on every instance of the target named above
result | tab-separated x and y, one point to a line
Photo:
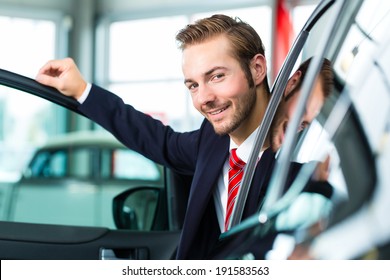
245	41
326	75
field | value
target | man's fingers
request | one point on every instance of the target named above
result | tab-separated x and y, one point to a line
63	75
46	75
50	73
47	80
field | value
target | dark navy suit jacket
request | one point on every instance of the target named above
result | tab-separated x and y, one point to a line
200	153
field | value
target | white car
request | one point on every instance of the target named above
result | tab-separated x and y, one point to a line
72	180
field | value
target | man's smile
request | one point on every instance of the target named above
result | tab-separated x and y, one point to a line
218	111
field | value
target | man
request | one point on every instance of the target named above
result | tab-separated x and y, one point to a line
224	68
322	88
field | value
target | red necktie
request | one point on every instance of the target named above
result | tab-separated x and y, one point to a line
236	171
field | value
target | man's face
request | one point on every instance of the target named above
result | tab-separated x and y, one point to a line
218	85
287	108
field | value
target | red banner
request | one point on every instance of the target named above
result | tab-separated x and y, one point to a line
284	33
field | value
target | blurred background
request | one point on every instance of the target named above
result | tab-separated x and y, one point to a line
127	46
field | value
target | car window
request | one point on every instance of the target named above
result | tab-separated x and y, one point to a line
62	163
340	133
311	198
295	186
354	124
127	164
324	171
82	163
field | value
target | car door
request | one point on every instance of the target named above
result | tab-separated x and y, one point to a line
157	239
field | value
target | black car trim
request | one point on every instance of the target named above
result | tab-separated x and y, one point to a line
27	232
38	242
29	85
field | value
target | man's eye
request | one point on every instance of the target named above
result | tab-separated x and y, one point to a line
192	86
218	76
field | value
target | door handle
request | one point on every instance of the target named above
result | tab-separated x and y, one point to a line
124	254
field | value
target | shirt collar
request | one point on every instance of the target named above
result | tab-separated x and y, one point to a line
244	150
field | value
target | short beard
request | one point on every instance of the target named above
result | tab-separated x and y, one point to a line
248	103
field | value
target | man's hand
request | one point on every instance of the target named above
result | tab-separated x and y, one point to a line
64	76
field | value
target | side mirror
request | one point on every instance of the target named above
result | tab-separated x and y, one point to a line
136	208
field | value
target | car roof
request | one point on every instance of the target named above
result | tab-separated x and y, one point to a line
83	138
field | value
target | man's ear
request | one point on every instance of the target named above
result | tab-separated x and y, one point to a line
258	68
292	82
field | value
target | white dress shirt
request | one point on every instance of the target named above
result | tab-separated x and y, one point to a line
85	94
220	193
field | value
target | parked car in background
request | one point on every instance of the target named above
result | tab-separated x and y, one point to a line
352	129
72	179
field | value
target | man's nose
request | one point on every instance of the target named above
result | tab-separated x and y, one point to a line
205	94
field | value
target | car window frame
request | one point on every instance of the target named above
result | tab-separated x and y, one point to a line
26	84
